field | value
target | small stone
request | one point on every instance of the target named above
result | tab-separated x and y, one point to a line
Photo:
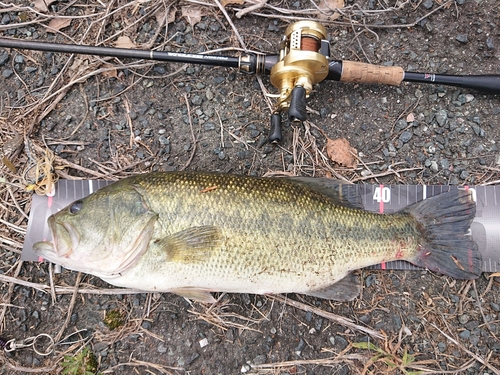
478	130
428	4
489	43
161	348
434	166
464	334
441	117
209	126
209	94
160	69
19	59
245	368
3	58
196	100
298	349
5	19
405	136
370	280
7	73
464	175
442	347
464	318
308	316
260	359
462	38
469	98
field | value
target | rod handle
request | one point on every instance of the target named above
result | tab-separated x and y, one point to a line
367	73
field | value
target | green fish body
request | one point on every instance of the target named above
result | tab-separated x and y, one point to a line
194	233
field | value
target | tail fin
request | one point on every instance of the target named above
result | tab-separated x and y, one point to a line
444	221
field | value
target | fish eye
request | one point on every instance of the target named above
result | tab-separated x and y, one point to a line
75	207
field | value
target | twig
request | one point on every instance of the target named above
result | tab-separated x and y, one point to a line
70	308
192	134
7	299
333	317
259	4
228	19
475	356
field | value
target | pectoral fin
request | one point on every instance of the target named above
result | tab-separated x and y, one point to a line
192	245
346	289
194	294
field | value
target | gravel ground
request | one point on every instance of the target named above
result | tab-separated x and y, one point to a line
133	116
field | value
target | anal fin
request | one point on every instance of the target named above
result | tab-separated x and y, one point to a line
199	295
343	290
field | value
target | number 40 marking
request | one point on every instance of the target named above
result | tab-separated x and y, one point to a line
382	194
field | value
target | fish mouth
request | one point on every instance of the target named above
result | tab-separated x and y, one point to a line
64	240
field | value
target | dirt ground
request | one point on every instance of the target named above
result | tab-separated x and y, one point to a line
106	118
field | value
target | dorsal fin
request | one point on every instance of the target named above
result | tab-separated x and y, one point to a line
338	191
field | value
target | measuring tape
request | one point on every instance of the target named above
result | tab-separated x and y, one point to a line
385	199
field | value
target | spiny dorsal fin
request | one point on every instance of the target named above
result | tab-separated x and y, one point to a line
191	245
336	190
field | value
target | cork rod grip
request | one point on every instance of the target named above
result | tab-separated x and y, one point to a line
368	73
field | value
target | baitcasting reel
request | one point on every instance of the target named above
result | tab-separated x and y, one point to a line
303	61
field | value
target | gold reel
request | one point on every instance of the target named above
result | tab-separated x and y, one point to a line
303	62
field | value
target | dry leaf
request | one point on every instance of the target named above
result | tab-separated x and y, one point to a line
112	73
340	151
160	16
79	65
228	2
328	8
58	24
124	42
192	14
42	5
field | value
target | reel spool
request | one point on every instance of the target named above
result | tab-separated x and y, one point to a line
303	62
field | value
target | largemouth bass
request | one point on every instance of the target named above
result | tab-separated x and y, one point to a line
195	233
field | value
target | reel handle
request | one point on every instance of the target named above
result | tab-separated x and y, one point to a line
297	110
275	135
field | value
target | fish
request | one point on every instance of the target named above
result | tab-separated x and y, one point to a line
195	233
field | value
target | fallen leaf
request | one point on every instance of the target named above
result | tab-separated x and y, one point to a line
160	16
192	14
340	151
79	66
43	5
228	2
112	73
124	42
327	9
57	24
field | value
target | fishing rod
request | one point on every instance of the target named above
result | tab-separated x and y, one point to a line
303	61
